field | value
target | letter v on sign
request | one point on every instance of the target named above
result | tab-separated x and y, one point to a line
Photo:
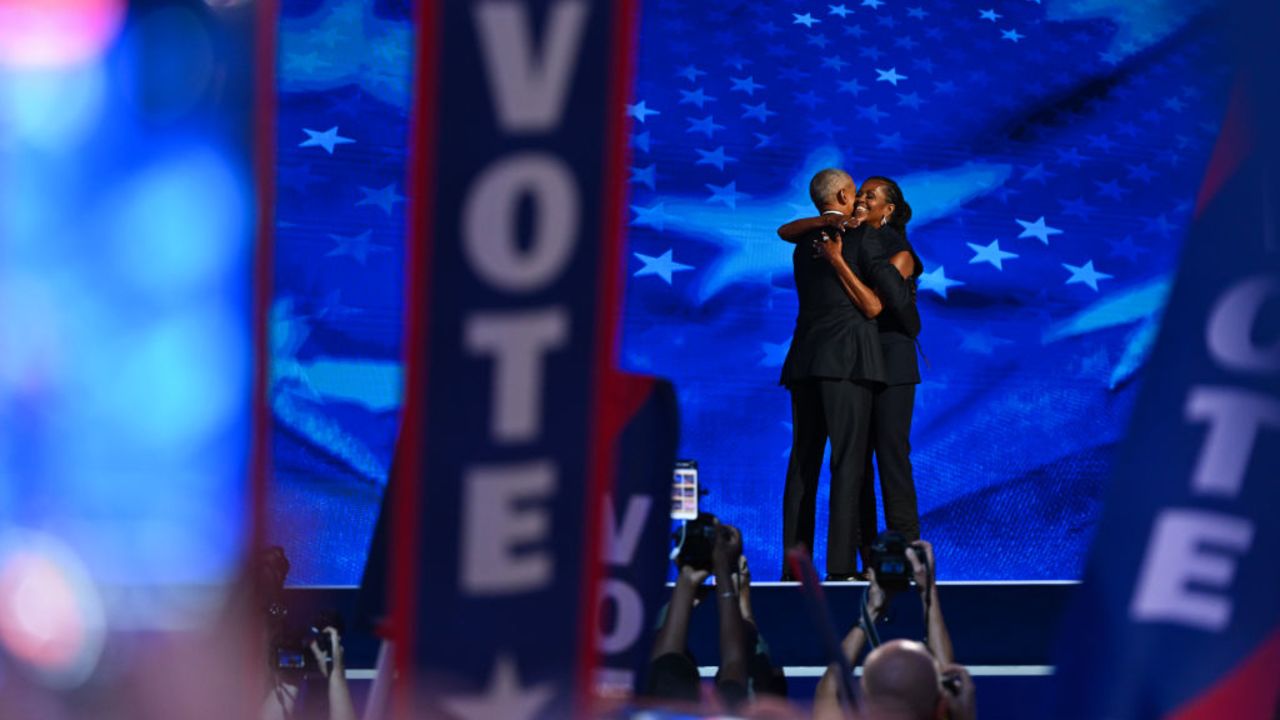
529	89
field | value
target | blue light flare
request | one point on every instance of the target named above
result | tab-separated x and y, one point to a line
125	231
52	109
169	225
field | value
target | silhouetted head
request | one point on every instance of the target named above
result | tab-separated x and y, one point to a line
900	681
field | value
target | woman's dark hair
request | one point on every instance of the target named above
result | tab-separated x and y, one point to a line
900	217
901	209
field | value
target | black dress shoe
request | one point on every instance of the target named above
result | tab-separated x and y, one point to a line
846	577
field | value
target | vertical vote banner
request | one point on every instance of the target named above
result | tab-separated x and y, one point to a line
637	530
1179	612
513	243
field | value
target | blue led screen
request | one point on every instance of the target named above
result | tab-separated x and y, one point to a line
1051	152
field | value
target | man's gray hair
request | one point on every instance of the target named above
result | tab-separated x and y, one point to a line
824	185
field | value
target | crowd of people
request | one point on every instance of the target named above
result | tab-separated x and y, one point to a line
901	679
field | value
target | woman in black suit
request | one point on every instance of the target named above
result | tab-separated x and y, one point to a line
881	205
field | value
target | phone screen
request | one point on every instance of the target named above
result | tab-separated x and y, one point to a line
684	491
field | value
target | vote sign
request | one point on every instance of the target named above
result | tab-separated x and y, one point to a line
513	247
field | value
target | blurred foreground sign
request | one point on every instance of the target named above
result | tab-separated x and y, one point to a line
513	245
1179	615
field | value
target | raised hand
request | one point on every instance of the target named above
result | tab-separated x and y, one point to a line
335	654
877	598
692	575
728	547
920	555
958	689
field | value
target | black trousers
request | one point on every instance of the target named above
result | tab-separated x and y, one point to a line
840	410
891	409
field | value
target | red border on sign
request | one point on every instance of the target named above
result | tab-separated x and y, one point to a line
1235	141
403	580
609	416
266	21
263	147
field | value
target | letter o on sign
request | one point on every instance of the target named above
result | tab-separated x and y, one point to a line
489	222
1230	333
628	619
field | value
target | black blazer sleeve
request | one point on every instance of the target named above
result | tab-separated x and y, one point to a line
895	291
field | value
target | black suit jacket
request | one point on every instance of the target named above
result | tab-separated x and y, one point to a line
832	338
899	322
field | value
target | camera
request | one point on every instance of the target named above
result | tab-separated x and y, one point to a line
290	639
291	646
695	541
889	560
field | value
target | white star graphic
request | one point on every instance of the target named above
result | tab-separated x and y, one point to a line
761	112
727	194
662	266
385	198
696	97
646	176
1013	35
747	85
937	281
890	76
640	111
806	19
1037	230
1085	274
990	254
706	125
991	15
715	157
357	246
654	217
852	86
503	697
327	139
838	10
873	4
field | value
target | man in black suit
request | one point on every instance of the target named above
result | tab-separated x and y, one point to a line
831	369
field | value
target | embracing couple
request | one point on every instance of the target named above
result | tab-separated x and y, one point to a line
851	369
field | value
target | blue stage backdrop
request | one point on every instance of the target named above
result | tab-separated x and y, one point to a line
1051	151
